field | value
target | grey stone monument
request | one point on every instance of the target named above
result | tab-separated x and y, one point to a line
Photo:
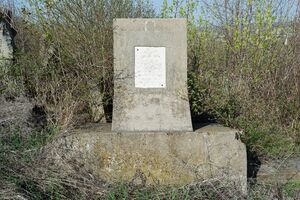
151	140
150	82
7	34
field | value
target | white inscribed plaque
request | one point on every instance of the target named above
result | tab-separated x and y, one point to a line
150	67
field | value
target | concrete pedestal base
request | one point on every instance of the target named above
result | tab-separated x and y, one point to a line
176	158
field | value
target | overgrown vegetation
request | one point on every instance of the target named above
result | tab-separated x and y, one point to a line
243	60
243	71
67	58
244	68
26	174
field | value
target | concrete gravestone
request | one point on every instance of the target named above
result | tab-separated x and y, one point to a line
150	90
151	140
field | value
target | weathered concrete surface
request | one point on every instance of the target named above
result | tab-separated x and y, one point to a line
176	158
7	34
279	170
150	109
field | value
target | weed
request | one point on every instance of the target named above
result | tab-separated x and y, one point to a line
292	188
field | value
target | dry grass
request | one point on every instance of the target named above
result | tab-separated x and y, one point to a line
65	55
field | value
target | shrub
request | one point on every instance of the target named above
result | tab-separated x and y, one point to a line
243	67
65	54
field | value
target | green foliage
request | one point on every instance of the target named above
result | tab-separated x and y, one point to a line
291	188
179	8
209	190
17	151
268	141
243	71
197	93
119	192
16	140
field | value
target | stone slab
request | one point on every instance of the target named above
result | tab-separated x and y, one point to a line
153	107
164	158
279	171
